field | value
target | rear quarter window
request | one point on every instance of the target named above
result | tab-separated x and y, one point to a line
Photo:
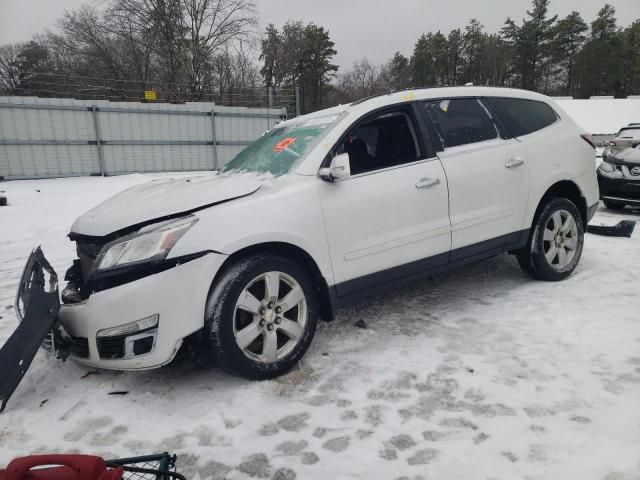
521	116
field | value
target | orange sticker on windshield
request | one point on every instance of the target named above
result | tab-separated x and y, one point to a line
280	146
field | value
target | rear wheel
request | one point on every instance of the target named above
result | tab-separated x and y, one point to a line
261	317
613	205
556	241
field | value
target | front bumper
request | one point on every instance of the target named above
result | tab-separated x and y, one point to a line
177	296
619	187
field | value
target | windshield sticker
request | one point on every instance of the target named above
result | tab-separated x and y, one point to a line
444	105
280	146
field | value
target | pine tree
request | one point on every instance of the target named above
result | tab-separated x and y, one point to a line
600	59
569	40
531	44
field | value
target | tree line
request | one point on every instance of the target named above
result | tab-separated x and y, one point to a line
190	50
551	55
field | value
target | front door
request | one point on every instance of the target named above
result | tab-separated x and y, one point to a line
390	218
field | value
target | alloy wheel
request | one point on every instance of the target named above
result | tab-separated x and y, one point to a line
270	316
560	239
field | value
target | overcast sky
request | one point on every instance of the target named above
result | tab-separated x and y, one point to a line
360	28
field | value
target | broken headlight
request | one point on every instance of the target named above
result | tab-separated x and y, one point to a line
607	167
153	242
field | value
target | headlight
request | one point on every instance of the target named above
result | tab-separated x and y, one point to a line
153	242
141	325
607	167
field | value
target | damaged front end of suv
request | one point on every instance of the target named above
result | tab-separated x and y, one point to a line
137	288
105	263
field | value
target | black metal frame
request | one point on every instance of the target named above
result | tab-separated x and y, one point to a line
166	464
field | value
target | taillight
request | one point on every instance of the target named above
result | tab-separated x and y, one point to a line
587	137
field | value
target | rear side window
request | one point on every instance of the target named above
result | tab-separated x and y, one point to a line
521	116
460	121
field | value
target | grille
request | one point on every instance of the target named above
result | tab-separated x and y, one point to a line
90	249
79	347
48	344
87	252
111	347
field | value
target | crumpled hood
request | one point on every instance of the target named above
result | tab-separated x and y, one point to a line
158	199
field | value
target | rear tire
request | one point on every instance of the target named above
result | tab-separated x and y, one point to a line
254	328
613	205
555	242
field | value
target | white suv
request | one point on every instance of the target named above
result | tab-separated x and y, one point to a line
319	211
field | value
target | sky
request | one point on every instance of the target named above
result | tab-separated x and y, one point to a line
360	28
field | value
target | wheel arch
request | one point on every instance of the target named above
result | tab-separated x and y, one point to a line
327	304
567	189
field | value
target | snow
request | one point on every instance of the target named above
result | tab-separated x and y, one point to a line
480	373
602	116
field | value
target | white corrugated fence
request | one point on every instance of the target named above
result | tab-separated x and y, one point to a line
53	137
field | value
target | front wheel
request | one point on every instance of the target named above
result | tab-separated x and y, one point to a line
261	316
556	241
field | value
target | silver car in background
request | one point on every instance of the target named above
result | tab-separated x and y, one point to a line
627	137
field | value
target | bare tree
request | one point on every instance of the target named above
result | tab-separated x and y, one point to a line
362	80
10	67
186	34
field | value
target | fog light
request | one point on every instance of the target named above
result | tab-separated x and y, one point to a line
130	328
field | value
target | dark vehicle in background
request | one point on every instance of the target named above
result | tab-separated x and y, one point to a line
619	178
627	137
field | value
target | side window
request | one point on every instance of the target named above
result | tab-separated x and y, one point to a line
460	121
522	116
387	140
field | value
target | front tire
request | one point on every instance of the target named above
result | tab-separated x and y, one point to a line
555	243
261	316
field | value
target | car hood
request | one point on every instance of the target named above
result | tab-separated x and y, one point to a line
628	156
162	199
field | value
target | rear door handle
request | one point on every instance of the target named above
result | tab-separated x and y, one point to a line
514	162
428	182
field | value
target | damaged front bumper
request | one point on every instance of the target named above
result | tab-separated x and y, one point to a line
37	305
141	324
132	324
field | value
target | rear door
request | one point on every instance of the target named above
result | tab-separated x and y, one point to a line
390	218
487	175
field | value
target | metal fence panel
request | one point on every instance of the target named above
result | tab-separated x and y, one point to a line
48	137
156	158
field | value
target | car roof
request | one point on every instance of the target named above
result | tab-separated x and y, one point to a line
632	127
401	96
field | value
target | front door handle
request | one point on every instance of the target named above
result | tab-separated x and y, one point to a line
514	162
428	182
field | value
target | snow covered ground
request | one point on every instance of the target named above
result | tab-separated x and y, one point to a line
481	373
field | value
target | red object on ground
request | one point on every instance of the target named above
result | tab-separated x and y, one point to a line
71	467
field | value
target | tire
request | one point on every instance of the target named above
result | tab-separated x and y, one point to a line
542	258
613	205
228	322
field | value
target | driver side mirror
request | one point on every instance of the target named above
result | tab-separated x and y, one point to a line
339	169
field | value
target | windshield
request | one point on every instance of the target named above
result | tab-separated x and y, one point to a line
633	133
280	148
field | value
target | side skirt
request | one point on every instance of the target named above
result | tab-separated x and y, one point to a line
351	291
